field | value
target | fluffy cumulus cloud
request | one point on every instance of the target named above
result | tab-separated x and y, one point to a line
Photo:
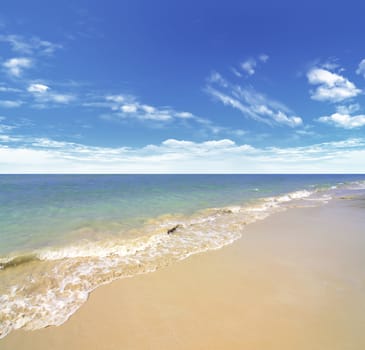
345	121
331	86
26	154
251	103
203	147
361	68
15	66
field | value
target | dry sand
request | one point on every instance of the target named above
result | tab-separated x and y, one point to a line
294	281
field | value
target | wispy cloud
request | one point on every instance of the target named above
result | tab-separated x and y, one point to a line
39	94
236	72
264	58
4	128
30	46
250	103
305	132
8	89
15	66
331	87
361	68
43	94
127	107
10	103
249	66
348	109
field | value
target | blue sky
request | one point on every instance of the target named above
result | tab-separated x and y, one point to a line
167	86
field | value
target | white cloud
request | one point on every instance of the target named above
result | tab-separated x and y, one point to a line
332	87
124	107
206	146
264	58
30	46
236	72
303	132
10	104
148	109
43	95
332	64
253	104
8	89
159	116
215	77
130	108
235	103
185	115
282	118
348	109
61	98
344	120
25	154
15	66
38	88
116	98
5	128
361	69
249	66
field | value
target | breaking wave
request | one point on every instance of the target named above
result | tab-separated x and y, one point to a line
45	287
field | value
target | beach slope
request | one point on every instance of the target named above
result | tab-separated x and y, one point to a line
295	280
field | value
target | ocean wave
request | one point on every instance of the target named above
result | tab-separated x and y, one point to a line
355	185
51	284
9	262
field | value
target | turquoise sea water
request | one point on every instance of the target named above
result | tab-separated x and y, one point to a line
46	210
61	236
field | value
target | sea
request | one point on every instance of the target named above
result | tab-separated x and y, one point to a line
62	236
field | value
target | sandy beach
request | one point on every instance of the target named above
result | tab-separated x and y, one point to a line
182	175
294	281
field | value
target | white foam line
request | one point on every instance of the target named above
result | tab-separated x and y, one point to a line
79	269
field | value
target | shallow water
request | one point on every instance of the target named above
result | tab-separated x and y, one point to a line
62	236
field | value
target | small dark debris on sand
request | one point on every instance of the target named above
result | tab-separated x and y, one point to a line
173	229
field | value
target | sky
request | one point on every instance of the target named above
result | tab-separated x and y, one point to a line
182	86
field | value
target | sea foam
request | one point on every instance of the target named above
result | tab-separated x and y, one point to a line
52	284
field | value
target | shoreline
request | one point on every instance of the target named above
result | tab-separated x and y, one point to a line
270	289
47	287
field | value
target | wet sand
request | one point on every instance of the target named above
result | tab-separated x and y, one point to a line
294	281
